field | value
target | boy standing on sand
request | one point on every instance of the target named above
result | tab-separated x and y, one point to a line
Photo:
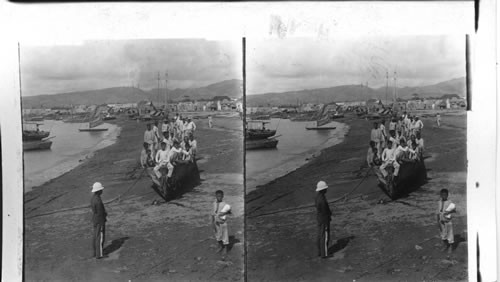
438	120
219	220
445	209
98	219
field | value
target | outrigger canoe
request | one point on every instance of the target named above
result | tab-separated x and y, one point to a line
185	176
412	174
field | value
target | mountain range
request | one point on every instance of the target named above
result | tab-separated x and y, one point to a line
231	88
350	93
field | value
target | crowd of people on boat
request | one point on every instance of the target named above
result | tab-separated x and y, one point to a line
169	144
400	142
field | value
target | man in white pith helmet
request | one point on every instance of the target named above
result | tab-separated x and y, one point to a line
98	219
323	216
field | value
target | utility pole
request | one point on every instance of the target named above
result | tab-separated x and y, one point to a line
394	87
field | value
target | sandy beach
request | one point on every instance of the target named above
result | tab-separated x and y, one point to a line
373	238
144	242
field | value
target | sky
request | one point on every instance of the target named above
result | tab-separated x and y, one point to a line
93	65
280	65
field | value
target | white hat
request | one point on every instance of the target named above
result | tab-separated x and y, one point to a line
97	187
321	186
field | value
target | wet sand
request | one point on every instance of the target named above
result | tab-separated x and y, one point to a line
171	241
372	240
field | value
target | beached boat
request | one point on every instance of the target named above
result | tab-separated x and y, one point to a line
320	127
185	177
95	120
322	118
109	117
255	132
269	143
412	174
36	145
32	132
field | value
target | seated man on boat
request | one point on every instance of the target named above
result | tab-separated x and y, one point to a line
161	159
389	158
146	156
175	155
372	156
415	152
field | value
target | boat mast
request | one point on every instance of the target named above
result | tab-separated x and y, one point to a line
394	98
166	90
386	85
158	95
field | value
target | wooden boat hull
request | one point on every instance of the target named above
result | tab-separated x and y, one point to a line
34	136
320	127
185	177
36	145
92	129
411	176
259	134
261	144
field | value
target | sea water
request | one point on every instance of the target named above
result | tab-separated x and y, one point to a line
296	145
69	148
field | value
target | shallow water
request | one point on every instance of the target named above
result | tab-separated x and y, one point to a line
69	146
296	143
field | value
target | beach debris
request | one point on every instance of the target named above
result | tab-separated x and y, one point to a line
345	269
418	248
198	258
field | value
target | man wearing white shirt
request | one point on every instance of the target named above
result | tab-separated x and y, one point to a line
194	146
420	142
161	159
174	155
376	136
149	137
418	125
165	127
190	127
157	135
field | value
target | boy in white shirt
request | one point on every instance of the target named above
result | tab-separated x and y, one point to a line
219	220
443	215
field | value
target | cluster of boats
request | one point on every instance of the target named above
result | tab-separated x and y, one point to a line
257	136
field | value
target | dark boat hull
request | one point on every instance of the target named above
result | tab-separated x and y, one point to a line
185	177
320	128
260	144
36	145
34	136
411	176
259	134
92	129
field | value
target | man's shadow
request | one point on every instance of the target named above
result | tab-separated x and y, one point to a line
339	245
232	241
115	245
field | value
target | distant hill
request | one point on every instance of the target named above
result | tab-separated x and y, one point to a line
231	88
350	93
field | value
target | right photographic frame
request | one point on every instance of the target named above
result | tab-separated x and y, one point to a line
356	158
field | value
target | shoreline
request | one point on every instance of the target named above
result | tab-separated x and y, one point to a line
296	162
66	166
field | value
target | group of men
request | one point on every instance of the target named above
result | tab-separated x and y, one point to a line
403	141
174	144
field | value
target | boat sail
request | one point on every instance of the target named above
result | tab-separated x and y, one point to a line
95	119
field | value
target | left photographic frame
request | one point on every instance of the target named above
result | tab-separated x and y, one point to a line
133	160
